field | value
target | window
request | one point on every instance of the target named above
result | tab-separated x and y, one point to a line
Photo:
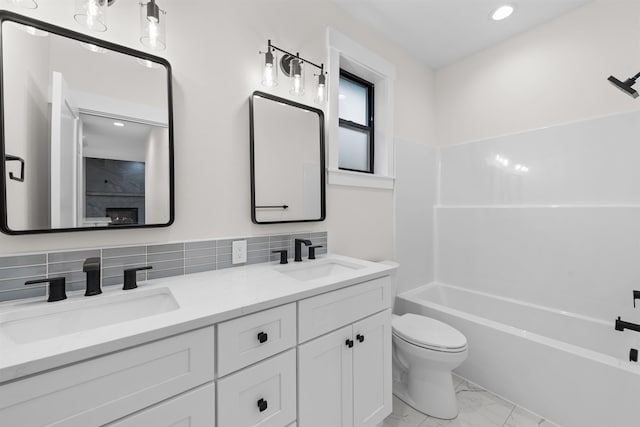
355	133
348	55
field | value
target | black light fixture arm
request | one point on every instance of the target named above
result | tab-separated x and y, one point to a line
297	55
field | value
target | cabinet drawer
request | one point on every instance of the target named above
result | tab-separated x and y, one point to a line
194	408
239	340
323	313
100	390
263	395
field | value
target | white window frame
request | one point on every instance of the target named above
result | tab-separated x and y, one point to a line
343	52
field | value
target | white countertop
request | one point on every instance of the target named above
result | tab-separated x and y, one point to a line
203	299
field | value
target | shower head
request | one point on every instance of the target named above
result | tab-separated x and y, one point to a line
627	85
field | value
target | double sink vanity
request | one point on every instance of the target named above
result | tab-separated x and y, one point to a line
306	344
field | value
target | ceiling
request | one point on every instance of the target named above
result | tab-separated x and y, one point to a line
440	32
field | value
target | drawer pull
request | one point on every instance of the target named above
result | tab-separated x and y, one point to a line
349	343
262	405
360	338
262	337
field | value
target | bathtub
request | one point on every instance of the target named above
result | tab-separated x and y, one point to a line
570	369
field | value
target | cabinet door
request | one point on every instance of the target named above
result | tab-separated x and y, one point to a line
325	381
194	408
97	391
372	369
262	395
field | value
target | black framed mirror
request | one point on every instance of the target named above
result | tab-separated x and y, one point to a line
86	132
287	161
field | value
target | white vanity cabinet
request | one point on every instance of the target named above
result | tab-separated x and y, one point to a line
193	409
323	361
101	390
344	377
262	394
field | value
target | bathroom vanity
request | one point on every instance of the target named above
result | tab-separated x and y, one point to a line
306	344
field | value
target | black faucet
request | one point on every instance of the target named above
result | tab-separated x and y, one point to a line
312	251
57	287
621	325
130	277
298	248
92	268
283	256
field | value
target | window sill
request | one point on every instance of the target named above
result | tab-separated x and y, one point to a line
358	179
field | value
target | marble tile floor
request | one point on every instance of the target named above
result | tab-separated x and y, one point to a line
478	408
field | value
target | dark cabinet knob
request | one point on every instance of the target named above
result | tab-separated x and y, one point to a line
360	338
262	337
349	343
262	405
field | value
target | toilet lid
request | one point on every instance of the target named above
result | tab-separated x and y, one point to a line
426	332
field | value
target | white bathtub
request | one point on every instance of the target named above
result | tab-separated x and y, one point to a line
571	369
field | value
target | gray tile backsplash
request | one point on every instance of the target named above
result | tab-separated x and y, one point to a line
167	260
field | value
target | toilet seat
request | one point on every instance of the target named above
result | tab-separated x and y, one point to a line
428	333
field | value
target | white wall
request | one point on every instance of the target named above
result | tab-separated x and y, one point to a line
27	119
562	232
156	176
213	47
415	198
554	74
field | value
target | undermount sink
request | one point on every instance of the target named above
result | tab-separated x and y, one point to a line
68	317
312	270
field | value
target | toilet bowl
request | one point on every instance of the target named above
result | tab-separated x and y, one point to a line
425	351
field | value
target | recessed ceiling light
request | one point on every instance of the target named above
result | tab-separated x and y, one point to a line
119	124
503	12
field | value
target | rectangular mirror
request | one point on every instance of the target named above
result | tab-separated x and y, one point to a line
87	138
287	161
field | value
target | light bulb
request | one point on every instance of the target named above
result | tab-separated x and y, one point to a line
91	14
321	91
297	77
152	26
269	70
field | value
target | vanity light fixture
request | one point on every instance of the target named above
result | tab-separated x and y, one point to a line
26	4
292	66
92	14
296	73
152	25
627	85
321	90
503	12
270	68
118	124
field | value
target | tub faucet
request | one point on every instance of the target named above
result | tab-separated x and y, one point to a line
621	325
92	268
298	248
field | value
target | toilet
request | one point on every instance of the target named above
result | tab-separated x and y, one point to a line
425	351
